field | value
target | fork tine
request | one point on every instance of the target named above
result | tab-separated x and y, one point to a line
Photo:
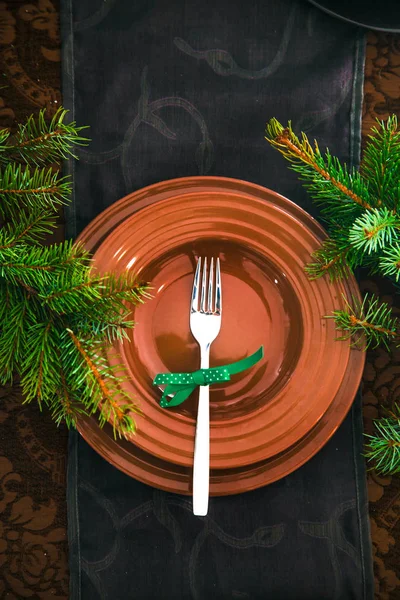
218	289
210	287
195	291
203	287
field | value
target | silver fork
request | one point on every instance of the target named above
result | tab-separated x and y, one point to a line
205	323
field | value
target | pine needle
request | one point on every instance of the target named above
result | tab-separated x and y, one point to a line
389	262
384	447
381	163
341	193
330	260
21	187
374	230
40	141
32	227
368	323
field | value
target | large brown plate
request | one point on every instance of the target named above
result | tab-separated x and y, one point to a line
234	193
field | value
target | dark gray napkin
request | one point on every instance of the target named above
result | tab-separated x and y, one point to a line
184	88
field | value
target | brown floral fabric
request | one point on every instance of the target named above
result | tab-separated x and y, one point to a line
33	542
33	538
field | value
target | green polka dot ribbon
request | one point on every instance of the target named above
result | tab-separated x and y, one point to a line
181	385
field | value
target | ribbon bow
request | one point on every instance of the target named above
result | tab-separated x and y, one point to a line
181	385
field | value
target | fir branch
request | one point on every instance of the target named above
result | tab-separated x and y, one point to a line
20	187
38	141
369	322
15	325
57	314
333	258
32	226
123	425
67	408
92	368
67	405
111	310
4	303
40	267
119	290
389	262
67	294
36	365
107	326
374	230
125	287
381	163
63	410
340	192
384	447
110	408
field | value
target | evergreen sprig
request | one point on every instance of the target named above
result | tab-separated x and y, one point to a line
57	314
374	230
40	141
361	210
341	193
32	227
389	261
384	447
380	165
360	207
331	259
24	188
368	322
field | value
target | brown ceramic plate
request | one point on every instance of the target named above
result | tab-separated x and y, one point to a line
264	241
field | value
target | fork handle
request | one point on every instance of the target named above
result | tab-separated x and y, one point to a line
201	466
